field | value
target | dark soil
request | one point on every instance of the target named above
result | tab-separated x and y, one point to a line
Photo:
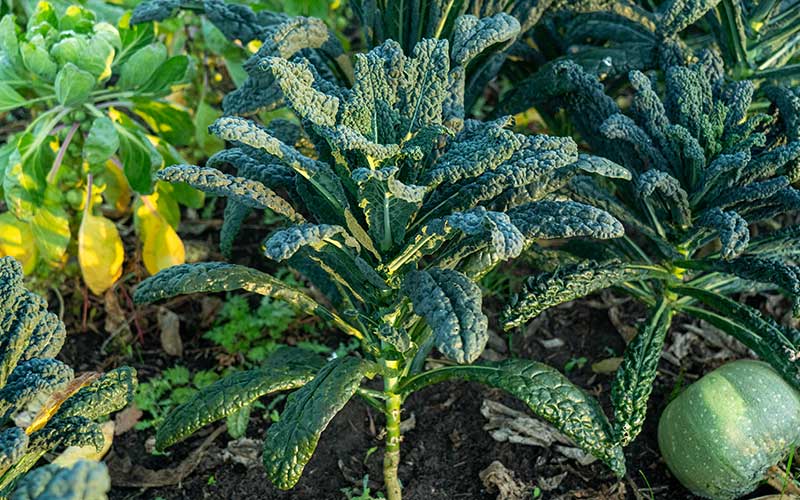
443	454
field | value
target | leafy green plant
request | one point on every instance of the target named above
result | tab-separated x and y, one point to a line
704	172
84	480
30	338
405	22
395	207
99	127
161	394
759	39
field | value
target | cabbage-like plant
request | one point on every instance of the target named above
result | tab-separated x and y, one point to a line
66	407
99	127
394	206
705	172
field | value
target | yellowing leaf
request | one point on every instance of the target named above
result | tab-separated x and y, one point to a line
56	399
118	192
17	240
162	247
100	252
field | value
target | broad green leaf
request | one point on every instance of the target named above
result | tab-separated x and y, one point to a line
288	368
171	72
17	240
10	98
38	60
93	55
204	116
549	394
102	141
25	180
100	252
166	120
78	19
109	33
237	422
139	157
291	441
451	304
73	85
139	68
634	380
8	40
50	226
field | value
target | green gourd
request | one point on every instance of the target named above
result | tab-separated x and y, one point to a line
721	434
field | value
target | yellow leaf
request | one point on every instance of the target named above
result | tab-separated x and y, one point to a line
55	400
162	247
16	240
118	192
100	252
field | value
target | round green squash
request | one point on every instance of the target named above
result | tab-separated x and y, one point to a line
721	434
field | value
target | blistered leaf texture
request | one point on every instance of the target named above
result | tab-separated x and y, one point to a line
546	290
84	480
635	376
291	441
247	192
286	369
451	304
549	395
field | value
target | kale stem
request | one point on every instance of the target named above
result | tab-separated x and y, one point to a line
391	457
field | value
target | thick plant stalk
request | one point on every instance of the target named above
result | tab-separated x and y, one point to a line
391	456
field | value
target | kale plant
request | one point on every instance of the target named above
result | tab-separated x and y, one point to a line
758	40
31	377
99	127
395	205
704	173
83	480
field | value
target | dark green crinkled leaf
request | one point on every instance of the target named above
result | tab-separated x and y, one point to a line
549	394
777	345
451	304
635	376
546	290
111	392
13	442
250	193
568	219
83	480
224	277
291	441
286	369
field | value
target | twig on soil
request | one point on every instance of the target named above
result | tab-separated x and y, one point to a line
128	475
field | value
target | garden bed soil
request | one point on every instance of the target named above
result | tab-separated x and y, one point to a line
444	453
